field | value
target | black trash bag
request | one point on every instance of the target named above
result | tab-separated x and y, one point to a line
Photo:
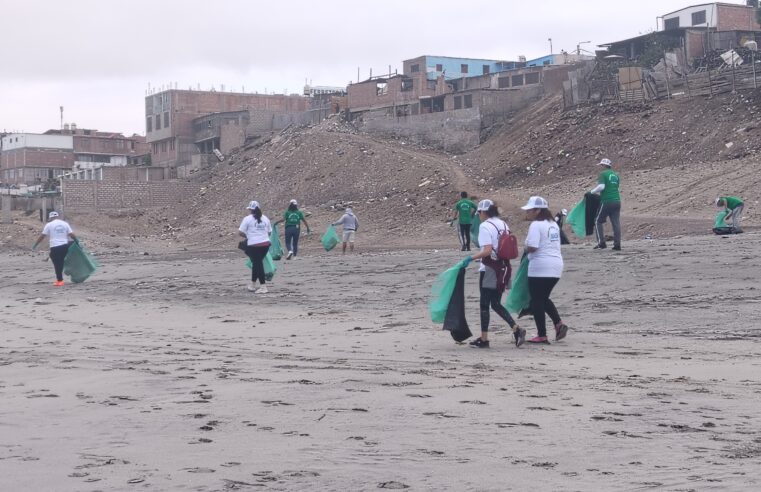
454	320
593	208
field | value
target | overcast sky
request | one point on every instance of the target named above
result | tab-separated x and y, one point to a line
97	58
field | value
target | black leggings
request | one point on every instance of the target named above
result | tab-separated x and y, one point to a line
257	254
465	235
57	255
540	289
491	298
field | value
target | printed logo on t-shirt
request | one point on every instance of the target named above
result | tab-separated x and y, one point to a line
613	179
554	235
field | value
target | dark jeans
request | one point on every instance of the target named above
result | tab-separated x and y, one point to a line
540	289
491	298
610	210
57	255
257	254
292	234
465	235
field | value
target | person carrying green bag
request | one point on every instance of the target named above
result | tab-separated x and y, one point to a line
59	234
350	225
256	228
293	217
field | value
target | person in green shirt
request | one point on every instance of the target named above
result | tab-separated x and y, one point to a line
293	217
734	207
610	205
464	210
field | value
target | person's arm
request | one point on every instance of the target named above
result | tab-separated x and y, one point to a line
484	253
38	241
73	237
277	222
305	223
597	189
532	238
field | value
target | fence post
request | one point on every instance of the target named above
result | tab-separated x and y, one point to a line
7	205
666	71
686	77
710	82
753	62
734	84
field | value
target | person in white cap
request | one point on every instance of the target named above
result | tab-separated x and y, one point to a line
350	225
59	234
545	266
610	205
494	274
256	228
560	220
293	217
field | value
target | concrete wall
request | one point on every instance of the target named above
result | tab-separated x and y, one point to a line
21	140
685	16
94	196
452	131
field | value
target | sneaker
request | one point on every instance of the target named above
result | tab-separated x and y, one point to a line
262	290
290	255
561	331
58	283
600	246
520	336
462	249
251	287
616	248
539	340
478	343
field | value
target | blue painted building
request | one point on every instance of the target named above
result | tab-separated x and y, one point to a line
559	59
455	68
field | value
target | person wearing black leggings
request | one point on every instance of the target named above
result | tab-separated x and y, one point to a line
544	268
256	228
59	235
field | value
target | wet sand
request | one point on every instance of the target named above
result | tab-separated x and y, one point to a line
163	373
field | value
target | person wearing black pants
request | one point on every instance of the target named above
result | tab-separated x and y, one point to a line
545	266
465	236
256	228
490	298
59	234
293	218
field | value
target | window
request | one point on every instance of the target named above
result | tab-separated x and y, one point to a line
464	68
503	82
546	63
149	124
171	144
532	78
415	68
158	122
381	89
698	18
468	100
486	69
517	80
407	85
458	102
166	119
163	146
439	67
672	23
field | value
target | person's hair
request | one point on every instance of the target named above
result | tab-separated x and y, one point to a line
292	207
544	214
464	194
493	211
257	213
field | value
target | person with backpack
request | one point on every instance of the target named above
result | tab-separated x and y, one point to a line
465	210
293	217
733	207
545	266
60	235
498	246
256	230
610	205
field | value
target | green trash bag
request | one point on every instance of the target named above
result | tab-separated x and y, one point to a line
577	219
330	239
518	299
276	248
441	293
269	267
721	217
474	231
79	264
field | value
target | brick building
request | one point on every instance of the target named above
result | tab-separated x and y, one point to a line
718	16
169	119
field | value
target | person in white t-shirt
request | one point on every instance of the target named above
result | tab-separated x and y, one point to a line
545	266
256	228
59	234
494	273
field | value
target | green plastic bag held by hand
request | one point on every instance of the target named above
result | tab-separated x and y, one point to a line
330	239
474	231
720	220
79	264
518	299
269	267
577	219
276	247
441	293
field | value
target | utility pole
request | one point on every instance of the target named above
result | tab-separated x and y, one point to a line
61	107
550	40
578	46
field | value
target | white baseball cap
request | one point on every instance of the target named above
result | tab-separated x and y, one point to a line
484	205
253	204
535	202
293	202
52	215
605	162
564	211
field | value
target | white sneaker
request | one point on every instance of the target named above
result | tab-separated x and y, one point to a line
251	287
262	290
290	255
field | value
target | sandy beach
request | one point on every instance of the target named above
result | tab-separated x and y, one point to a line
162	372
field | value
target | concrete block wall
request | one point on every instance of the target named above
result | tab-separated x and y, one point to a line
94	196
737	18
453	131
